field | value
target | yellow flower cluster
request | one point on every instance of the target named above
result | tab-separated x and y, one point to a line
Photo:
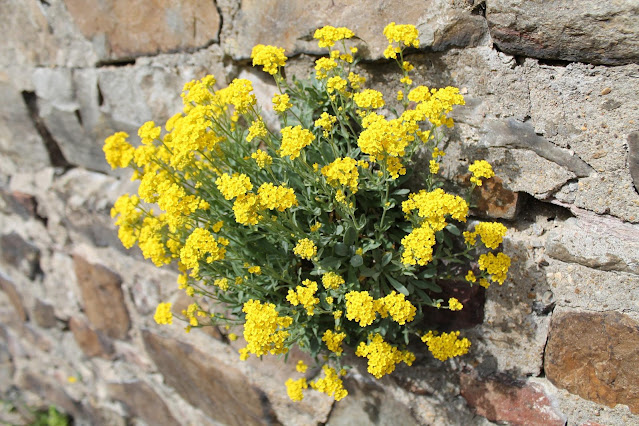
200	245
323	66
294	388
342	171
396	305
336	83
233	186
497	266
328	35
454	305
446	345
406	35
262	158
326	122
382	356
360	307
238	94
418	246
480	169
491	233
256	130
331	384
434	206
264	330
304	295
294	139
369	98
305	248
117	151
276	197
270	57
334	341
332	281
246	209
163	314
281	102
129	216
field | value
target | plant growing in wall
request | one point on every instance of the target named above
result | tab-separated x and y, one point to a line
309	235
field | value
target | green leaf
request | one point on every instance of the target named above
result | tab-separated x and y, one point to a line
453	229
357	261
424	297
402	191
341	249
368	272
330	262
350	236
427	285
387	258
397	285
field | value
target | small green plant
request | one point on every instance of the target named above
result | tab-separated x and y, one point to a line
51	417
309	235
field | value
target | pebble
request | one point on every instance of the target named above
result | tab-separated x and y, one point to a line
606	91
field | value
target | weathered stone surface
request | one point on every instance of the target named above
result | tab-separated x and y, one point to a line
16	126
578	286
9	288
633	158
6	365
103	299
120	29
495	201
141	401
20	254
218	390
472	314
24	205
43	314
596	242
502	399
50	392
92	342
594	355
291	25
585	31
368	404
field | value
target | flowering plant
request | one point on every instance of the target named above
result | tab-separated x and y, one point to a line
308	235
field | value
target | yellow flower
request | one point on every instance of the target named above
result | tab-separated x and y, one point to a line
326	122
328	35
270	57
305	248
281	103
118	151
304	295
293	140
418	246
323	66
163	314
262	158
264	330
232	337
382	356
396	305
256	130
433	167
369	99
360	308
342	171
233	186
491	233
334	341
454	305
301	367
336	83
446	345
496	266
480	169
294	388
331	384
470	277
276	197
332	281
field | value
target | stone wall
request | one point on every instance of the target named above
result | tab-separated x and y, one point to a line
551	91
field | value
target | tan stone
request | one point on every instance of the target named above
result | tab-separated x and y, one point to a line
143	402
14	297
43	314
92	342
103	298
595	356
220	391
127	28
495	201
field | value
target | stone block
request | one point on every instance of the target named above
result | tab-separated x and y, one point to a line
143	402
633	158
9	288
584	31
52	393
92	342
121	29
495	201
43	314
20	254
219	390
500	399
24	205
102	298
594	355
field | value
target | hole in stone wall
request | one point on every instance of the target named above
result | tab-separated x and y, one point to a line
78	115
479	9
122	62
100	95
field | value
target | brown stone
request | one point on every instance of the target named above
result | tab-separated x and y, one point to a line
495	201
595	356
92	342
103	299
129	28
14	297
43	314
50	392
21	254
502	399
24	205
220	391
142	401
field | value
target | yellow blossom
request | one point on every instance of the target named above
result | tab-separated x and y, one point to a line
491	233
497	266
328	35
331	280
342	171
264	330
256	130
304	295
301	367
163	314
233	186
270	57
360	308
118	151
382	356
446	345
281	102
369	99
331	384
454	305
294	388
333	341
293	140
480	169
305	248
262	158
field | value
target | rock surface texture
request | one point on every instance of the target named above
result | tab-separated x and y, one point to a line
551	102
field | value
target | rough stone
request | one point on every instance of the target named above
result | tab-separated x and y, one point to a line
368	404
594	355
16	125
9	288
120	29
502	399
103	299
6	366
586	31
20	254
633	158
495	201
577	286
596	242
142	401
24	205
50	392
472	298
43	314
218	390
291	25
92	342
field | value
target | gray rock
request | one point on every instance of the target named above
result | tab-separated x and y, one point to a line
142	401
586	31
633	158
